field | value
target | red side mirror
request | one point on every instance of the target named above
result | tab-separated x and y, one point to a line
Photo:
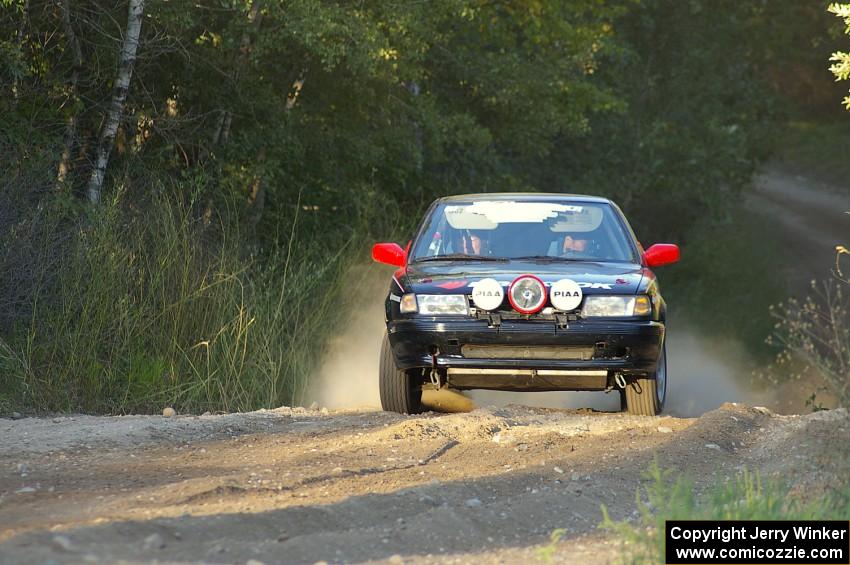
389	254
661	254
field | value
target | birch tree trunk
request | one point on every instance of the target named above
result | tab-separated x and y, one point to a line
116	108
71	124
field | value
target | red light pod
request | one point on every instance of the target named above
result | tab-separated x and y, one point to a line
527	294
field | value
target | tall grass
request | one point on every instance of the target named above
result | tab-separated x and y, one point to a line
134	309
745	497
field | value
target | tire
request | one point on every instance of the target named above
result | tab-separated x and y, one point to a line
645	396
400	390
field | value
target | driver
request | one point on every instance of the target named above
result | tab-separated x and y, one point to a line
471	243
574	245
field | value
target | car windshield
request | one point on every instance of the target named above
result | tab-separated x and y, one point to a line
534	230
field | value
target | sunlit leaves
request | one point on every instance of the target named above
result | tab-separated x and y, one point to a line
842	11
841	66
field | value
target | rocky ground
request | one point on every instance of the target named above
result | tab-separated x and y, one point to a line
301	486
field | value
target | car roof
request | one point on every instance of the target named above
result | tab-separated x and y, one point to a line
526	197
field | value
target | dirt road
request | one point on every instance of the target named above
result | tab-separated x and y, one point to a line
809	219
298	486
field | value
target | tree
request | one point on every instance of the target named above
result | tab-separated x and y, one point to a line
841	59
73	100
129	46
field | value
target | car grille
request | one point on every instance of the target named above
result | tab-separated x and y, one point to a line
527	352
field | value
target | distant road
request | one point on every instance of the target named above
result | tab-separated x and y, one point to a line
810	219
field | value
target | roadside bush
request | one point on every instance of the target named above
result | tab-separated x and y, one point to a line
816	332
135	307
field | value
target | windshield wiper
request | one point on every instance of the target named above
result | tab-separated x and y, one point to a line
550	258
458	257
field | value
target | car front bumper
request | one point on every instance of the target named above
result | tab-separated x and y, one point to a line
610	346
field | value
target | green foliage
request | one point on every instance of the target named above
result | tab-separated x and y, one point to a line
696	122
814	330
745	497
419	99
841	60
548	551
812	401
788	41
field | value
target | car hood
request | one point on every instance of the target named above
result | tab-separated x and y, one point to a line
453	277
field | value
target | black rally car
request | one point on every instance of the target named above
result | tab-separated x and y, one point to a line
525	292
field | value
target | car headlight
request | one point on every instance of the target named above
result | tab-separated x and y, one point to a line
435	304
597	306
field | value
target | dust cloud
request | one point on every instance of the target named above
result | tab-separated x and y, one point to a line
703	373
348	375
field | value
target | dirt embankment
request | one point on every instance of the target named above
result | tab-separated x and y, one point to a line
298	486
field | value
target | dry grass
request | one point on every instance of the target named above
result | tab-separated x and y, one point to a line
154	307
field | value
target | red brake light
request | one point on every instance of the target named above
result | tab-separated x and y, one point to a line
661	254
389	254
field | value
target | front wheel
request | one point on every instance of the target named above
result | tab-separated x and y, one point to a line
646	396
401	391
